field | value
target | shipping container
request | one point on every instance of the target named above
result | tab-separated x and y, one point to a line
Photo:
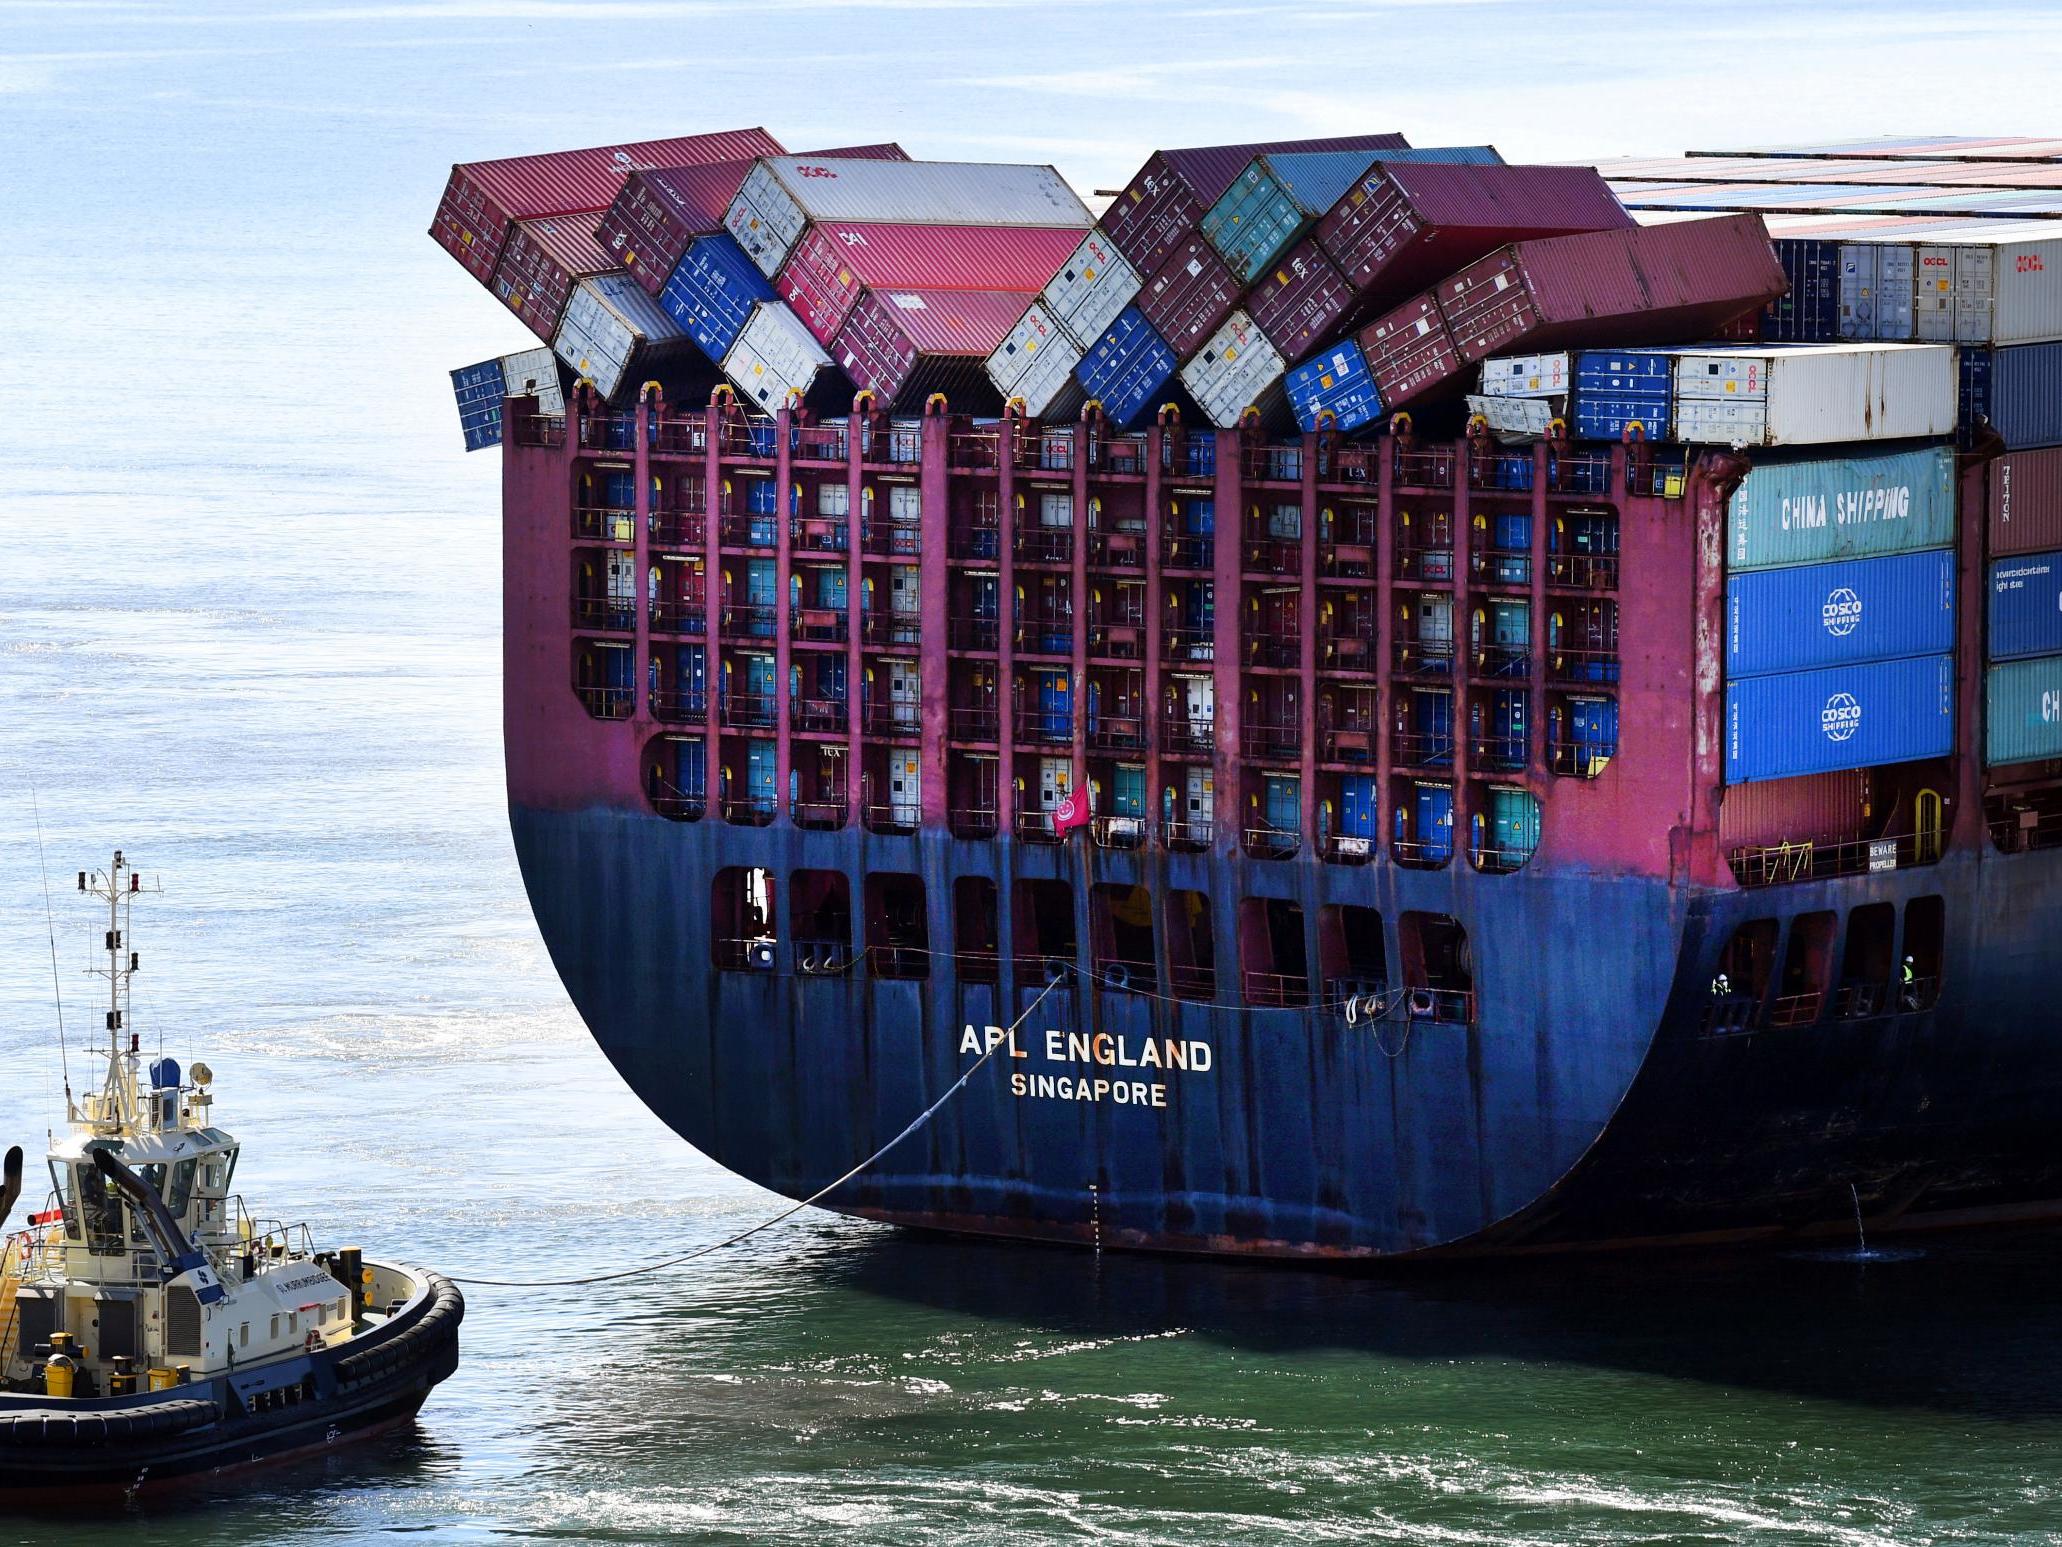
541	262
1814	394
1810	512
1405	225
1409	352
2026	502
1090	288
1972	400
612	333
1235	370
1809	311
1541	376
1643	285
1813	807
775	361
1337	382
835	261
479	391
483	197
1162	206
1616	389
711	293
535	373
784	194
1127	369
1189	296
1855	716
2022	711
1034	333
1300	301
904	345
2025	606
1811	615
2025	397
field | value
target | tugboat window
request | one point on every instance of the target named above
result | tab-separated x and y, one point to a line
61	1183
182	1187
101	1212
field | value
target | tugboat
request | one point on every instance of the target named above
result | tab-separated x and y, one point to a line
151	1328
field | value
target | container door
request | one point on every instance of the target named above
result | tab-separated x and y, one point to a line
1281	802
1858	290
1199	799
1128	791
903	601
1435	621
905	788
760	591
691	664
1198	517
760	764
1357	806
759	678
1200	699
987	598
1434	820
1513	561
690	769
1513	823
1896	281
832	590
902	692
1055	775
617	667
1055	704
830	677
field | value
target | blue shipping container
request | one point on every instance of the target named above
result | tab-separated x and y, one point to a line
1842	508
1972	394
479	389
1812	615
1615	388
1127	367
2026	606
711	293
2026	395
2022	719
1840	717
1336	382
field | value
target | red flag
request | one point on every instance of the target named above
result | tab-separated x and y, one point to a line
1072	811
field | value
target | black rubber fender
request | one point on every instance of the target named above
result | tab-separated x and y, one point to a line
438	1319
99	1428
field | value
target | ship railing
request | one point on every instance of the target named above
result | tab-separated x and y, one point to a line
1725	1014
820	625
612	614
1423	749
675	804
1353	742
1117	639
1121	547
606	703
749	810
679	528
749	619
1119	832
681	437
825	814
1272	463
1051	451
1429	564
819	534
1125	976
1187	550
1583	571
894	719
1443	1006
1189	733
903	817
746	953
1188	643
1500	861
1273	555
1187	981
1045	727
1037	826
1116	732
1044	636
977	541
748	711
1189	456
977	966
908	962
1660	480
542	430
821	443
1272	642
1500	566
1121	455
1582	663
975	633
604	524
608	432
817	716
966	722
1812	860
678	704
901	445
973	448
1043	545
821	956
1422	853
681	615
1795	1009
1275	990
2023	831
891	539
974	821
1190	834
1277	739
891	630
1347	848
1422	657
1425	467
1499	754
1580	759
753	529
1354	527
1351	462
1271	842
1502	661
747	438
1858	1001
1579	472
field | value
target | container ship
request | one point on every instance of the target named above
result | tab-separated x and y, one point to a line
1415	704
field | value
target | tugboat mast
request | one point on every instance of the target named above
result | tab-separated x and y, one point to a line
116	1104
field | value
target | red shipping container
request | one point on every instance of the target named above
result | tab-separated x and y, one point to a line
1409	352
658	214
907	344
483	197
1406	225
1189	296
835	261
1165	202
540	263
1810	808
1645	285
1299	302
2026	502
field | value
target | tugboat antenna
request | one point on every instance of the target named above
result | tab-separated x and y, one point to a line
64	1062
120	885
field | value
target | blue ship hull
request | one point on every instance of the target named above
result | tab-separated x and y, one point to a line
1591	1102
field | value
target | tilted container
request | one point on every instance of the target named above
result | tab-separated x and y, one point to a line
905	345
1088	290
1189	296
1854	716
2026	502
2022	711
783	194
1616	389
541	262
1337	382
712	291
1814	394
1127	369
2025	606
1299	301
1808	512
481	388
1409	352
1404	225
612	333
1641	285
836	260
483	197
1036	363
775	361
1811	615
1235	370
1165	203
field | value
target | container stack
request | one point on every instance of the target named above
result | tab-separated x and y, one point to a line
2023	676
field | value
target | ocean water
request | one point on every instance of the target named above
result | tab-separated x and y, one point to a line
248	633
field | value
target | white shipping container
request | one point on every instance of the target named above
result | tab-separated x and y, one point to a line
1035	332
534	373
1515	418
1528	375
1090	290
1814	394
1049	388
1989	283
783	194
774	355
1233	371
609	321
1876	291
